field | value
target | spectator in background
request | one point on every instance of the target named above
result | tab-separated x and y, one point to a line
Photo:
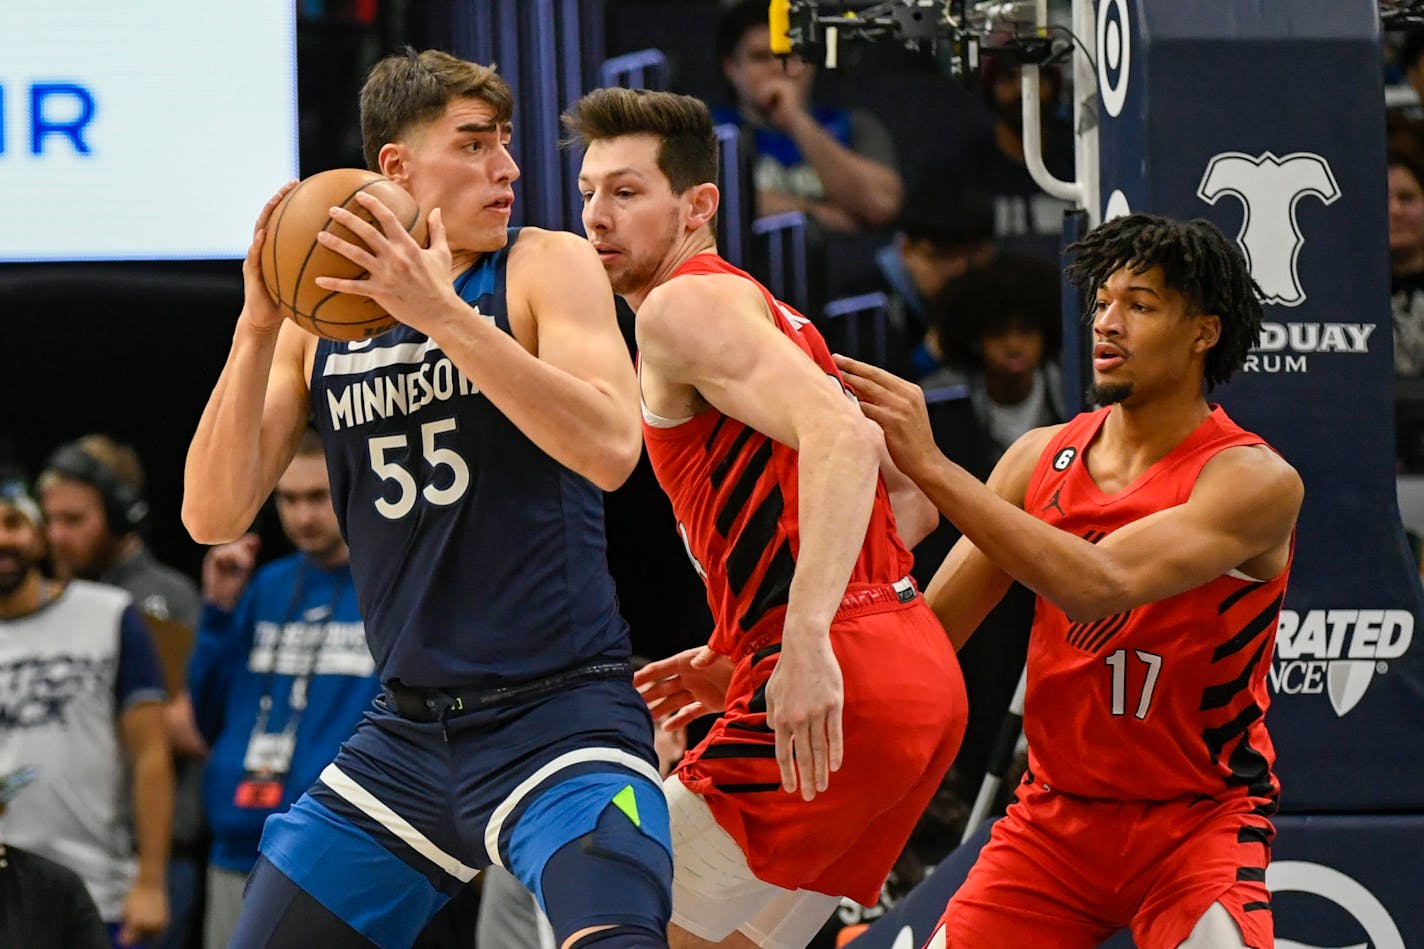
81	702
836	165
43	904
1410	60
280	676
1406	260
1026	220
1000	330
92	492
1406	257
94	510
943	231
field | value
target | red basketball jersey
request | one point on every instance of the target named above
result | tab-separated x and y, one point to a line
1168	698
733	491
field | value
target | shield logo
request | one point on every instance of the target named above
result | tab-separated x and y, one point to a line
1346	681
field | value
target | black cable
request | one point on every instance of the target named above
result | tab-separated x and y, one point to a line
1074	36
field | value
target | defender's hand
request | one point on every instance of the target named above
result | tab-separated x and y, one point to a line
684	687
145	914
898	407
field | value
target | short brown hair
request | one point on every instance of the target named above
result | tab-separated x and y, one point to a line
120	461
410	88
687	153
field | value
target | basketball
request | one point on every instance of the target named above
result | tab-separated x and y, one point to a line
292	258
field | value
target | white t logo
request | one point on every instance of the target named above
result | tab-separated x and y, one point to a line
1269	188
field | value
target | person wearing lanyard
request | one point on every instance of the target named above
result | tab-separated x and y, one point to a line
280	676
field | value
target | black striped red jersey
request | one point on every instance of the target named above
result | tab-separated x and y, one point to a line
1168	698
733	491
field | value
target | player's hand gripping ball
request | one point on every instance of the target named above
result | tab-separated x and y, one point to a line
292	258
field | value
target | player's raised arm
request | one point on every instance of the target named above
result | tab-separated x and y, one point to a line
566	382
255	415
591	413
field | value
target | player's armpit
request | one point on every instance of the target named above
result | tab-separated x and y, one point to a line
964	589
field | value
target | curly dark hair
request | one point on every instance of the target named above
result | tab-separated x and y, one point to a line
1197	261
1008	293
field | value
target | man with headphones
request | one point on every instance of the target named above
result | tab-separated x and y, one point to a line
92	494
95	514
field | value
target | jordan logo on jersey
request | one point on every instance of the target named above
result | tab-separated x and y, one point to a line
1054	504
1269	189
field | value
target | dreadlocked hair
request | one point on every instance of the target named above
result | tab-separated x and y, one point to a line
1197	261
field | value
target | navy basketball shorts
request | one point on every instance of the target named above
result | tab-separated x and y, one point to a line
561	790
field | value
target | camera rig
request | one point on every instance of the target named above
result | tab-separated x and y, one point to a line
1401	14
967	29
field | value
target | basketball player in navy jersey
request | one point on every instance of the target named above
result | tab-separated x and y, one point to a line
467	449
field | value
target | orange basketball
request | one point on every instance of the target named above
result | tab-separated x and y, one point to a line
292	259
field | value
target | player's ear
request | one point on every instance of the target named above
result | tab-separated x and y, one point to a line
703	201
391	159
1208	332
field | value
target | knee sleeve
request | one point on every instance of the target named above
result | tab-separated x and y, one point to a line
616	874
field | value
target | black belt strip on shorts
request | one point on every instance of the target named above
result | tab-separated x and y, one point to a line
437	705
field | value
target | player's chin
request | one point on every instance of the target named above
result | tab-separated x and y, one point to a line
481	233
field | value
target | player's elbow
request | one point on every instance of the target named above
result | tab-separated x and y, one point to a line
845	439
208	525
616	462
1095	596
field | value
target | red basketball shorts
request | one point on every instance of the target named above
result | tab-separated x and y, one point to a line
903	720
1068	872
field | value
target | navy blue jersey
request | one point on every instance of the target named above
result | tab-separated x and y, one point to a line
478	559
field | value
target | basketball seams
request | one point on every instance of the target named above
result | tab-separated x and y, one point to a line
383	317
302	259
312	247
271	244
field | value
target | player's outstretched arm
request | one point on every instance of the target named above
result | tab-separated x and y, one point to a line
255	415
1240	516
714	333
570	388
968	584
